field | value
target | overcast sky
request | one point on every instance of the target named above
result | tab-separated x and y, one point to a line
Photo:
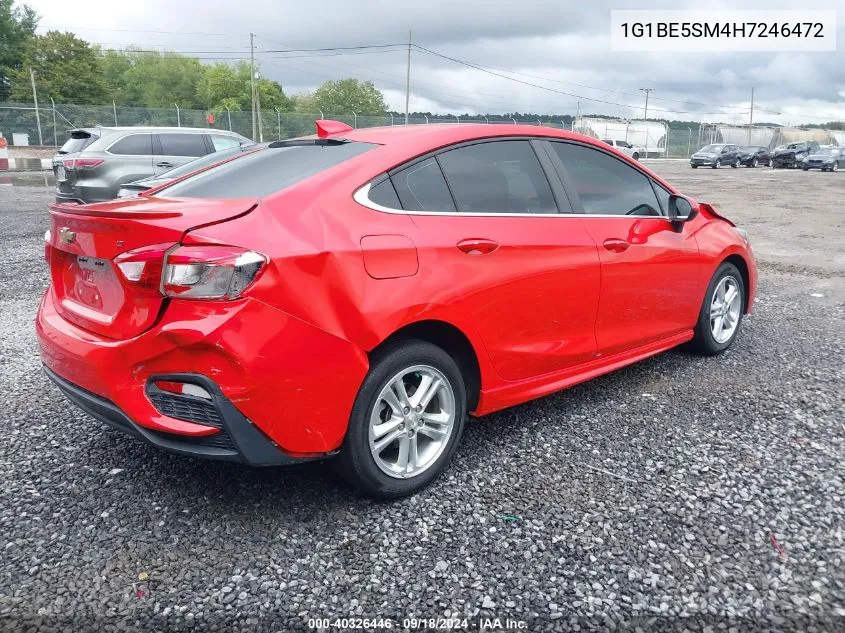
560	42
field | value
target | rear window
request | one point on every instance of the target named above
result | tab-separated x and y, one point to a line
182	145
133	145
262	173
77	142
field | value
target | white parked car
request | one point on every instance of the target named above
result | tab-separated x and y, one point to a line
626	148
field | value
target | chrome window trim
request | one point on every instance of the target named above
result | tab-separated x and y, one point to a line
362	197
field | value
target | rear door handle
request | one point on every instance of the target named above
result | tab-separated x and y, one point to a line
164	163
477	246
616	246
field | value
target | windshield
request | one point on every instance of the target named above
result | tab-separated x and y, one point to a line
261	173
208	159
711	148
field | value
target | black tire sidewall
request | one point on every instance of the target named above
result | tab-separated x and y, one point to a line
355	458
703	341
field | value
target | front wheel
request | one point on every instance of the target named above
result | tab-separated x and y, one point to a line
406	422
735	164
835	167
636	156
754	163
721	312
717	164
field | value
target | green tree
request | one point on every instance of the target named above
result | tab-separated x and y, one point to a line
67	69
344	97
225	86
159	80
17	27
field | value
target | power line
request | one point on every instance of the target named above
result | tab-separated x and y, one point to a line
541	87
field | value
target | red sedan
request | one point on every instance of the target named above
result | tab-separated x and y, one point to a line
356	294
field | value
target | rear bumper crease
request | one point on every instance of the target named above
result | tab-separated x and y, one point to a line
241	441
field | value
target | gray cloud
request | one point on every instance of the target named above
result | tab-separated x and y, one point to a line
562	43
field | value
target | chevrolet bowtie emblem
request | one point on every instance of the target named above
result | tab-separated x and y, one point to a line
66	235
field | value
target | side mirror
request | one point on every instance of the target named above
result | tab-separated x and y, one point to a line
680	210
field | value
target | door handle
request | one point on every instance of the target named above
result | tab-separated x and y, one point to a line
164	163
477	246
616	246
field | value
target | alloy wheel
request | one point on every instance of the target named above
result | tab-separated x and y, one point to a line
412	421
725	309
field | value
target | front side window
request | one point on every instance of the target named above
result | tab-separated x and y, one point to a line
497	177
133	145
606	185
421	187
182	145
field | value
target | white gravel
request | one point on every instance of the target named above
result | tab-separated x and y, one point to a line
679	494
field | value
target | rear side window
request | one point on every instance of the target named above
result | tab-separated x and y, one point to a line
385	195
224	142
77	142
606	185
421	187
498	177
182	145
133	145
261	173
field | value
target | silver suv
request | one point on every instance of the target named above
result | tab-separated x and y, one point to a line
95	162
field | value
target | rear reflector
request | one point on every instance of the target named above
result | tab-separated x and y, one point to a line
182	388
210	272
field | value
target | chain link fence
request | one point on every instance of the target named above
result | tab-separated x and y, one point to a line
50	126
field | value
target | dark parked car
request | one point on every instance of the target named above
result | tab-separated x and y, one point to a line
791	155
715	155
95	162
138	187
754	155
825	159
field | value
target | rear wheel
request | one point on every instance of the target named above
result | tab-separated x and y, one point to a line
735	164
835	167
694	166
636	156
717	164
721	312
406	422
754	162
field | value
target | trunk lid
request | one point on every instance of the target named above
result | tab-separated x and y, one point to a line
88	288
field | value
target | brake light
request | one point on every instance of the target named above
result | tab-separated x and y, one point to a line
83	163
143	266
210	272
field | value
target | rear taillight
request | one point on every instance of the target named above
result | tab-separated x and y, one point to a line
210	272
191	272
143	266
82	163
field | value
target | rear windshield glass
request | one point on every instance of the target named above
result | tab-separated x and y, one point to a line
77	142
262	173
205	161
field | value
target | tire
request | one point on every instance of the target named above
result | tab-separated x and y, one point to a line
694	166
835	167
357	461
705	343
805	168
754	162
636	156
717	164
735	164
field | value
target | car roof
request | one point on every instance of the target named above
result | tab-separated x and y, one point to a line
427	137
144	129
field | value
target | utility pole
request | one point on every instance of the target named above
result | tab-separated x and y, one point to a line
751	116
35	99
258	112
252	80
646	91
408	80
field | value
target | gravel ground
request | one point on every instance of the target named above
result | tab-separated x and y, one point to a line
679	494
